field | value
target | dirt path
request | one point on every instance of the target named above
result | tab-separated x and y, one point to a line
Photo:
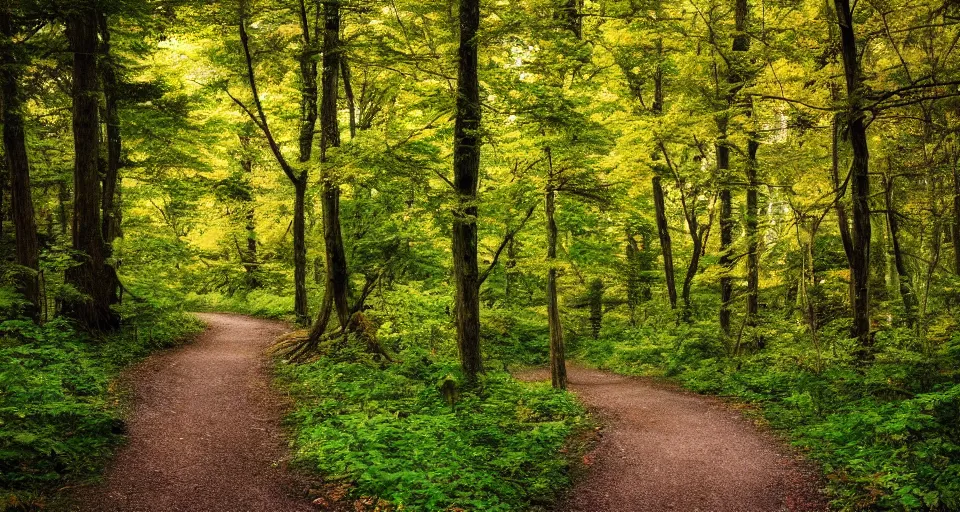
666	449
205	431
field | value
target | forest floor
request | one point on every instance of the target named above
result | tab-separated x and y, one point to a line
205	434
204	430
663	448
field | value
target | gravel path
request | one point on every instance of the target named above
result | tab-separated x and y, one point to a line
663	449
205	430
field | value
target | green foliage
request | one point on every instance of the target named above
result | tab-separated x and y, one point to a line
260	303
59	411
390	432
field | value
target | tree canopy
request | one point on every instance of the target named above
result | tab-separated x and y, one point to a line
689	187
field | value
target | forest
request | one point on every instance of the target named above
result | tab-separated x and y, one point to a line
754	200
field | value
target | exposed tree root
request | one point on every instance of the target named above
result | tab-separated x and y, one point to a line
307	345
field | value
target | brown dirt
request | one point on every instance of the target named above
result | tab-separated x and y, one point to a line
662	448
205	432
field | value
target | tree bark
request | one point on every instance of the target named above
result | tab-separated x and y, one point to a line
903	275
308	123
666	245
843	221
660	207
251	263
859	175
753	234
348	92
741	44
956	215
18	165
466	171
558	368
337	273
111	175
572	18
696	238
91	276
726	231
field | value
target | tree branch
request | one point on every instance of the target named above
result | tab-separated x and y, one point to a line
503	244
264	126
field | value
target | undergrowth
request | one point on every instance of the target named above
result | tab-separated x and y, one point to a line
258	303
393	434
59	413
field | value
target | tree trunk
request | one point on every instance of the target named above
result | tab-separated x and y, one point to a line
558	368
63	213
337	276
903	275
956	216
697	239
510	275
843	221
735	78
15	149
726	231
91	276
859	175
251	263
111	175
466	170
752	233
596	307
348	92
308	124
572	18
666	245
337	273
741	45
660	207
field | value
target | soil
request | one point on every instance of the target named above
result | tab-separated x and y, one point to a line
204	430
662	448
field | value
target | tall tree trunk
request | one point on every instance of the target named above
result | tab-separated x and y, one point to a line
956	214
466	170
558	368
308	124
903	275
660	207
735	78
859	175
15	149
251	263
111	175
726	229
752	233
666	245
91	276
337	273
843	221
739	78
